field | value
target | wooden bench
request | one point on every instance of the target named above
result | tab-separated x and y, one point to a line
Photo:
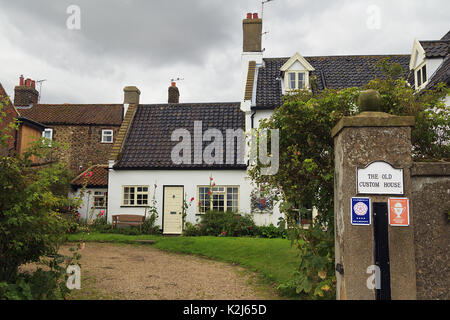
128	219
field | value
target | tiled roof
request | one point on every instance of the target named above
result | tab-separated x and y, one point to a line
331	71
436	48
442	74
99	177
446	37
76	114
149	146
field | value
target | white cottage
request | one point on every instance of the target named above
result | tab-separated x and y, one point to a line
91	186
170	152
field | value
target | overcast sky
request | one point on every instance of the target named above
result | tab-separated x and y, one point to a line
146	43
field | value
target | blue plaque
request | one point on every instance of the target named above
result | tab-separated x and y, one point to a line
360	208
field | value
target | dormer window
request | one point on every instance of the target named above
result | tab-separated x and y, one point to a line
296	72
296	80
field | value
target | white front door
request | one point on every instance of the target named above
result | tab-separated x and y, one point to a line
173	210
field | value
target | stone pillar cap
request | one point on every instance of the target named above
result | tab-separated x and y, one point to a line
373	119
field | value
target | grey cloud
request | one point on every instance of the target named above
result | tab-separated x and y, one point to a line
145	43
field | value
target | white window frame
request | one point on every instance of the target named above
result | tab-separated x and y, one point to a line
416	78
136	194
287	79
50	139
107	133
219	190
99	195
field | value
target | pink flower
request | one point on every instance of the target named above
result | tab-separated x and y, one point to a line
102	211
90	174
211	178
192	199
224	233
214	184
85	174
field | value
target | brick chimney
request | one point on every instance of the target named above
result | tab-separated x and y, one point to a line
174	94
252	27
25	93
131	95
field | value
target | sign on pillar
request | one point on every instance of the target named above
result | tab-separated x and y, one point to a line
361	211
399	212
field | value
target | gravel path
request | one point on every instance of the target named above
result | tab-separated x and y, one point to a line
117	271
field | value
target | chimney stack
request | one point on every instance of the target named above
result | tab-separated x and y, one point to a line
252	27
174	94
25	93
131	95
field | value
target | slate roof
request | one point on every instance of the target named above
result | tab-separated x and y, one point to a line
446	37
74	114
331	71
436	48
99	177
149	146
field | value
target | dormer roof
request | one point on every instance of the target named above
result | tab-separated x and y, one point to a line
296	57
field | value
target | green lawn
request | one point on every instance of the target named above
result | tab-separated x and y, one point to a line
274	259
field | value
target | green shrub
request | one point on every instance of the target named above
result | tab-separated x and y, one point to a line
271	231
191	230
149	226
217	223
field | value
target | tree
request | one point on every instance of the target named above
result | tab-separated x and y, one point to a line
306	172
31	225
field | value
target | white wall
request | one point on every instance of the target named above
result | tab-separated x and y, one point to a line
433	65
88	202
190	179
259	115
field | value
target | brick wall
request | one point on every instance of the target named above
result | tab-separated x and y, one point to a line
85	146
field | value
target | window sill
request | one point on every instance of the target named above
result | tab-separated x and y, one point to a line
134	206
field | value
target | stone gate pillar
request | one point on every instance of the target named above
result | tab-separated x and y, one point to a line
359	141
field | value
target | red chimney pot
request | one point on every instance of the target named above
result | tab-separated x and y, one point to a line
28	82
249	15
33	84
255	16
173	84
21	80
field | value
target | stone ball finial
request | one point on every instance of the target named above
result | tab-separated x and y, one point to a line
369	100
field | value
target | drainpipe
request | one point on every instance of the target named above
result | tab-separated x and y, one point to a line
252	117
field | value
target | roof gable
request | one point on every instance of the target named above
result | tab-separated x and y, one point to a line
297	57
417	53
